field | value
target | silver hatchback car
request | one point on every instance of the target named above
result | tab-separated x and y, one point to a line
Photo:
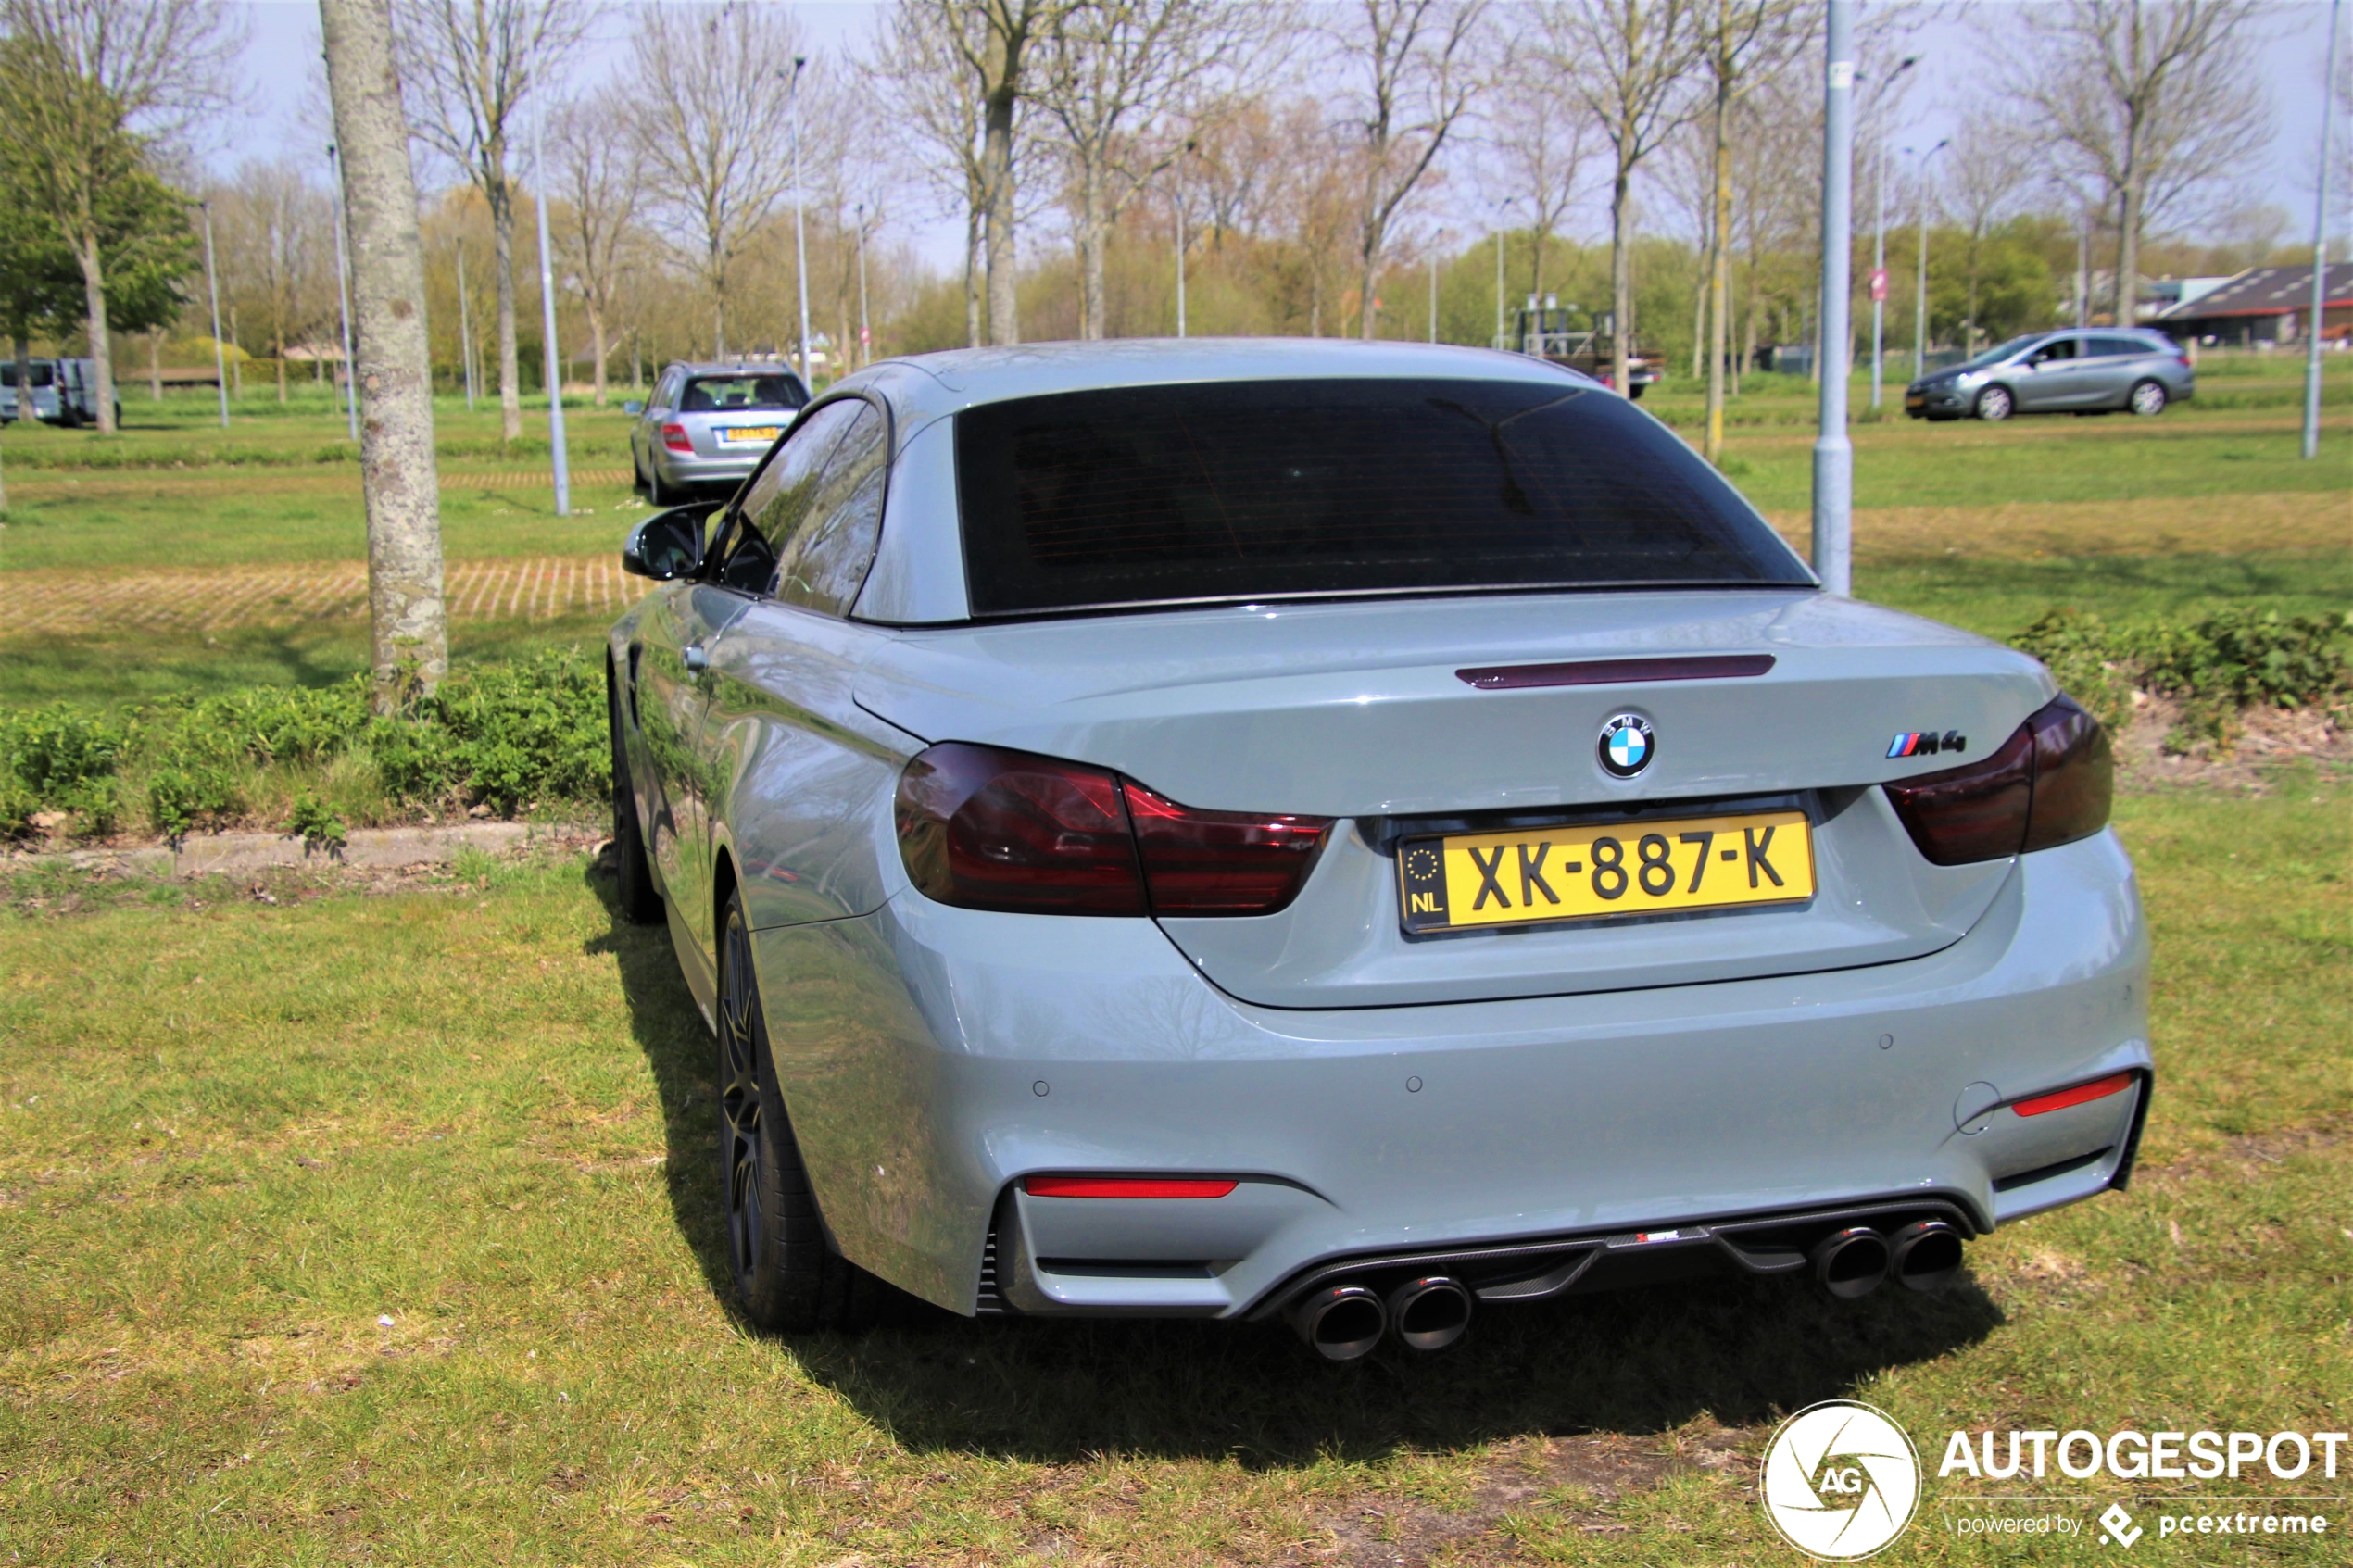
1349	835
708	425
2084	372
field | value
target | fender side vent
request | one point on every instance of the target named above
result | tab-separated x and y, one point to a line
990	1303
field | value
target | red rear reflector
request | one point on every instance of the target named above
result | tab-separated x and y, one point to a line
1124	1187
2059	1100
674	437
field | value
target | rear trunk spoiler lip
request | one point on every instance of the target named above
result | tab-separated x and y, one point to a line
1617	672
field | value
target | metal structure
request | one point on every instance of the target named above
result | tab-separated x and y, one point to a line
465	332
212	287
350	384
799	212
547	317
1878	260
1919	301
1834	453
1551	331
2321	245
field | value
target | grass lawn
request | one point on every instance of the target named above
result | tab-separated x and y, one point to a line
240	1136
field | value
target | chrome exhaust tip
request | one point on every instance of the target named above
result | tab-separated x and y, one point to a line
1926	1256
1429	1313
1850	1264
1341	1321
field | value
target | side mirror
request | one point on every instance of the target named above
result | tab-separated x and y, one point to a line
667	544
632	406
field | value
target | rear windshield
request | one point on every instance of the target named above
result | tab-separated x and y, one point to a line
1249	490
711	394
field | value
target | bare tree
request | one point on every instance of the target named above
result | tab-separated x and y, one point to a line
276	251
922	57
1741	40
994	45
87	82
600	177
468	65
1539	138
2153	99
713	90
394	370
1414	75
1989	169
1629	63
1108	72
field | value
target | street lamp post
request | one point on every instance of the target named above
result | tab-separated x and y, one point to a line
1440	240
1833	452
866	337
2320	246
212	287
465	331
342	297
548	319
799	210
1878	254
1919	302
1181	237
1501	207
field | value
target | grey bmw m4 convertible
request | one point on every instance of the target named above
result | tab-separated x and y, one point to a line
1353	834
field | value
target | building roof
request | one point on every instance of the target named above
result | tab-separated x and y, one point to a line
2266	291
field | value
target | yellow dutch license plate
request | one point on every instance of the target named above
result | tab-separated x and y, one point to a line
1603	870
748	435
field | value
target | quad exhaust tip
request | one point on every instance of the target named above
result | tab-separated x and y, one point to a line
1429	1313
1850	1264
1340	1323
1926	1256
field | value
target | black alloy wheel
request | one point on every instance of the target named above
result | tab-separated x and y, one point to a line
640	899
788	1276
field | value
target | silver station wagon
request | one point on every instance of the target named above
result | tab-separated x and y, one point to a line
1349	835
2081	372
704	426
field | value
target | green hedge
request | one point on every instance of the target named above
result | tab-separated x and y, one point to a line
2217	666
512	738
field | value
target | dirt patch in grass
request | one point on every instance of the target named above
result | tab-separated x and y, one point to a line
2271	740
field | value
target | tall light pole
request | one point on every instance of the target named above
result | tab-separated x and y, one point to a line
465	331
1879	251
212	287
1834	453
547	320
342	297
1440	239
799	209
1180	238
865	338
1919	303
1499	271
2320	245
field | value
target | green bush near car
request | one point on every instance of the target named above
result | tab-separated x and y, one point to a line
511	736
2216	667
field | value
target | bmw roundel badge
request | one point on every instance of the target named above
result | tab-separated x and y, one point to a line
1627	744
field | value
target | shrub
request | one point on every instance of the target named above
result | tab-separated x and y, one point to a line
2216	667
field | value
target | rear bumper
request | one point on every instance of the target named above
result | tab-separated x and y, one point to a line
681	469
932	1056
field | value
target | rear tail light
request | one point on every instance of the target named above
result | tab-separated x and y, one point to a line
2050	784
989	829
1125	1186
1220	862
2081	1094
674	437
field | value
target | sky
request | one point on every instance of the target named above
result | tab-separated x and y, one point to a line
283	103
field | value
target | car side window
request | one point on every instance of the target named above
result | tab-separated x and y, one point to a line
763	524
2055	351
828	563
2120	347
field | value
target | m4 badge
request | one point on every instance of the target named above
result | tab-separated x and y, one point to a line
1927	743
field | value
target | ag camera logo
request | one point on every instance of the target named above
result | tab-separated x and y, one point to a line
1841	1480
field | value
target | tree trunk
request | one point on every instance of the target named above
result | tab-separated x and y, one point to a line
93	294
1092	236
408	625
25	416
502	245
973	222
1621	279
155	366
1719	273
597	344
996	162
2128	252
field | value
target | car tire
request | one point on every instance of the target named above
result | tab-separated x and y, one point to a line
1995	405
2147	398
640	899
788	1278
658	492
